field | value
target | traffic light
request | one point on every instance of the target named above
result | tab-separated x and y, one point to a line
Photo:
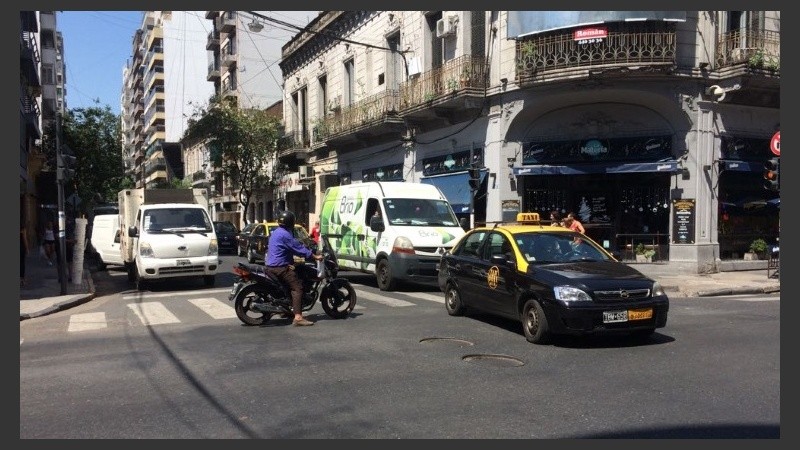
772	174
474	178
65	166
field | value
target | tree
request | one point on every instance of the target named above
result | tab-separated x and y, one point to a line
242	143
93	136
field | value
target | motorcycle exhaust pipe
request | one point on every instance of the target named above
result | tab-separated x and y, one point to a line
266	308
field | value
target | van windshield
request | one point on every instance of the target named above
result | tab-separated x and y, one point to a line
176	219
419	212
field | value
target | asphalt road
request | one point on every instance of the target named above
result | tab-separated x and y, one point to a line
175	364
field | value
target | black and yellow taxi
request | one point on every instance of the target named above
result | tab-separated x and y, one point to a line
258	239
552	279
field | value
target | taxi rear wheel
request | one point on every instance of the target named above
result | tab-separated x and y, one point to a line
534	323
452	301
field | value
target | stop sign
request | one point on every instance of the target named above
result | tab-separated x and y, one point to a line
775	143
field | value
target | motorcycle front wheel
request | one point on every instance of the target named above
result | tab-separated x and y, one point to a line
338	299
243	301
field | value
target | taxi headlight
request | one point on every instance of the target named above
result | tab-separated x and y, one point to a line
657	289
569	294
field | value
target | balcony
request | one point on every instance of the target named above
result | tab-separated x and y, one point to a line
369	121
294	145
227	22
758	49
644	47
30	109
228	54
213	71
29	59
213	40
748	67
445	95
228	87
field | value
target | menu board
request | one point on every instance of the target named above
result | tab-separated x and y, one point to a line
683	221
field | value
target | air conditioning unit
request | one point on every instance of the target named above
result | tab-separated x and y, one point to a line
305	171
446	26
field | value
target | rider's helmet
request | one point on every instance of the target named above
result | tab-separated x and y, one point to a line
286	219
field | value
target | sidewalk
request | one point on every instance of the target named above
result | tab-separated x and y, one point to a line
41	294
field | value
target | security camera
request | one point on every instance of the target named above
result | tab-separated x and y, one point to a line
716	92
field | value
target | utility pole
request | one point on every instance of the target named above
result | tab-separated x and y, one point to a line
62	222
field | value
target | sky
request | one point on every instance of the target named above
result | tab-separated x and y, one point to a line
95	59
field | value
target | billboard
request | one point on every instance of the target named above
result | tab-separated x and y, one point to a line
522	23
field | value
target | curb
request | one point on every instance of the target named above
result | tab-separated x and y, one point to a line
66	304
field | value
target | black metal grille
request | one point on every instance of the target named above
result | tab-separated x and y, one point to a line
622	295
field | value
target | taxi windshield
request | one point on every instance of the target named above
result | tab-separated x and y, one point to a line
543	247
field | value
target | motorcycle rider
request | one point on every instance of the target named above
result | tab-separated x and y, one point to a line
281	249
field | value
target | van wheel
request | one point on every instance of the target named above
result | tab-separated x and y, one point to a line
386	282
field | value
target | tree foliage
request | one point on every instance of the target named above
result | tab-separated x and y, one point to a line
242	143
92	135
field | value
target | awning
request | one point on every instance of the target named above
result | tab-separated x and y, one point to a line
455	187
741	166
580	169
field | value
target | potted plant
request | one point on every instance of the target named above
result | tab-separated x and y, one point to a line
644	254
757	250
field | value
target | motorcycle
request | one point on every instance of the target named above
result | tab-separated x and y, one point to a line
257	295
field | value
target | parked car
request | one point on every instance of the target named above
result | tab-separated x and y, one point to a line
226	236
242	239
259	237
551	279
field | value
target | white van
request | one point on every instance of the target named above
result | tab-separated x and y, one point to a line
106	238
395	230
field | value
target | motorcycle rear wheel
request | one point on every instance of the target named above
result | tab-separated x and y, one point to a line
242	302
338	301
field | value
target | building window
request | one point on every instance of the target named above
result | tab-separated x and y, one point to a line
394	63
47	74
322	98
349	81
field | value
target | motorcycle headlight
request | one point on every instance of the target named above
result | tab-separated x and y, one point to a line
569	294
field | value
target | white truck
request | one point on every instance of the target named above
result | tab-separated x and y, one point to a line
395	230
167	233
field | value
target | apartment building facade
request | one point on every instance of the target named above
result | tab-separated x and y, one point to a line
652	126
162	83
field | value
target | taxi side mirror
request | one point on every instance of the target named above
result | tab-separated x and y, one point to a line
501	260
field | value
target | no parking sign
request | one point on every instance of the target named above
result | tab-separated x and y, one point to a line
775	143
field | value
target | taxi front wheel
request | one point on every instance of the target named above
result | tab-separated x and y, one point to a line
534	323
452	301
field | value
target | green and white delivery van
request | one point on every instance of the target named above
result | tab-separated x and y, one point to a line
396	230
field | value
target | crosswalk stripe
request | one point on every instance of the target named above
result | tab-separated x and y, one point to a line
141	295
383	300
87	321
153	313
214	307
438	298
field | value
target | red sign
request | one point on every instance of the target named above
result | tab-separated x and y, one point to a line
775	143
590	35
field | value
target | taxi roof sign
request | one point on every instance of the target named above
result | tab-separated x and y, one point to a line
528	218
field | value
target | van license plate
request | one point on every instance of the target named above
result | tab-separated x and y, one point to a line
184	262
615	316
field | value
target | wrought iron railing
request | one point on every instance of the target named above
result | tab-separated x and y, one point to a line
757	48
293	140
625	44
368	111
459	74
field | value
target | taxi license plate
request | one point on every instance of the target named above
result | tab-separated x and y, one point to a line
625	316
184	262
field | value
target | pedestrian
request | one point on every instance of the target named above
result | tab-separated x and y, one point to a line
282	248
315	232
555	219
23	253
573	224
49	242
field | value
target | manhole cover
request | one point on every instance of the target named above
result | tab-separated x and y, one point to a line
445	339
495	360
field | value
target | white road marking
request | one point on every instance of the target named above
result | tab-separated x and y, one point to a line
87	321
383	300
214	307
141	295
438	298
153	313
